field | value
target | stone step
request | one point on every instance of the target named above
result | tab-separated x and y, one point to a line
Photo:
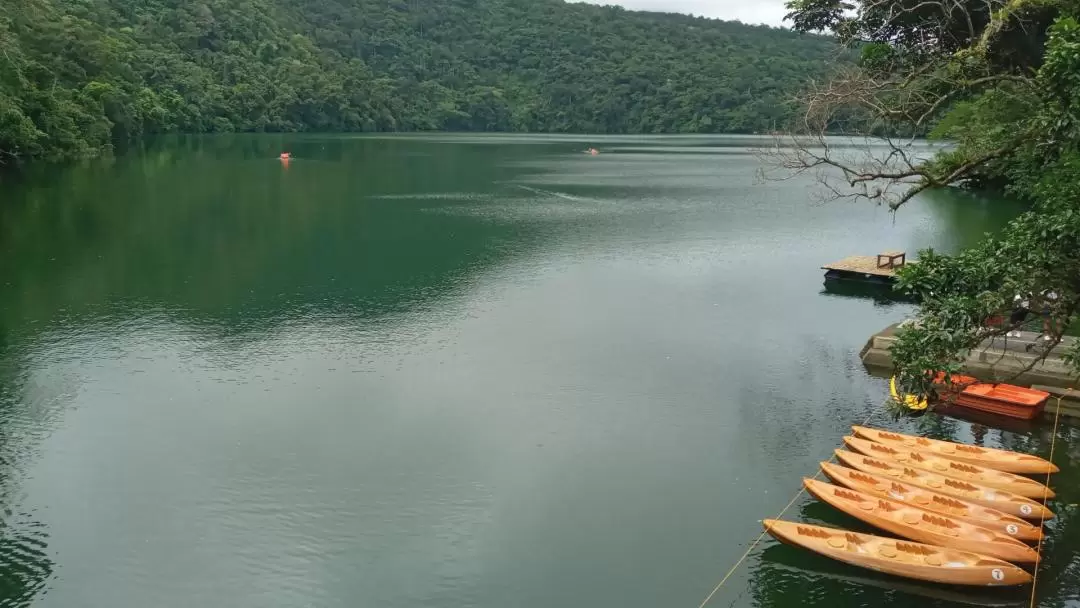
997	360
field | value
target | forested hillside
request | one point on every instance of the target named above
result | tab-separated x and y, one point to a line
76	75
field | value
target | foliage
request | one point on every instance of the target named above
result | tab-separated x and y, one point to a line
77	75
1001	82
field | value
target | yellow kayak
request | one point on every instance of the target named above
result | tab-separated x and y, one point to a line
1007	502
910	494
920	525
1002	460
911	402
898	557
927	461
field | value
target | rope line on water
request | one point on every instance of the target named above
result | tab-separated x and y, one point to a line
1042	514
757	540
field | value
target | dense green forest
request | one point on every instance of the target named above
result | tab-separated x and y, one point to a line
76	75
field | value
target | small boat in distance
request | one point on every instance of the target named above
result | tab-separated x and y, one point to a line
1002	460
921	525
927	461
898	557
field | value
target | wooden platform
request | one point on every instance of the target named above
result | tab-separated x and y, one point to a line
861	266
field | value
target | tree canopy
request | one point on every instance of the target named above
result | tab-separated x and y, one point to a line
76	75
1000	81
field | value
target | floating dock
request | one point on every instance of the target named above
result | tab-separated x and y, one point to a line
877	269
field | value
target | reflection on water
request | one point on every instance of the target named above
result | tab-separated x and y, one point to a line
445	370
880	294
25	413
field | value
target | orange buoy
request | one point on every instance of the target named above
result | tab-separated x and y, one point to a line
285	156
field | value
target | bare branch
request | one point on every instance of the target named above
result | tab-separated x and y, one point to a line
859	102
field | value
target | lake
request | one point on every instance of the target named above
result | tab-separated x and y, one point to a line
447	370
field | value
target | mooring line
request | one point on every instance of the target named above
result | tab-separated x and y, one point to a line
802	488
1042	514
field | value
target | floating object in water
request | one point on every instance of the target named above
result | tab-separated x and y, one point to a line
927	461
1001	460
781	561
877	269
1002	399
921	525
592	151
285	157
898	557
929	500
911	402
1006	502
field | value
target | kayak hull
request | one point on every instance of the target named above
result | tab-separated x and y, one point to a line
1001	460
910	494
1005	502
928	461
921	525
899	558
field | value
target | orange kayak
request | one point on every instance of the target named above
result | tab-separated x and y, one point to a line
1005	502
1001	460
921	525
927	461
910	494
898	557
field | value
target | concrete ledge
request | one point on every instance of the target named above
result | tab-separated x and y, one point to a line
998	360
1067	399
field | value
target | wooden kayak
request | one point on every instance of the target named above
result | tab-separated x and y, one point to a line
898	557
910	494
927	461
1001	460
921	525
1005	502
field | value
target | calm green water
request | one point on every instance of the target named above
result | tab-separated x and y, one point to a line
444	371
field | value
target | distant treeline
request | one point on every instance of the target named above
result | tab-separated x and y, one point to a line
77	75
